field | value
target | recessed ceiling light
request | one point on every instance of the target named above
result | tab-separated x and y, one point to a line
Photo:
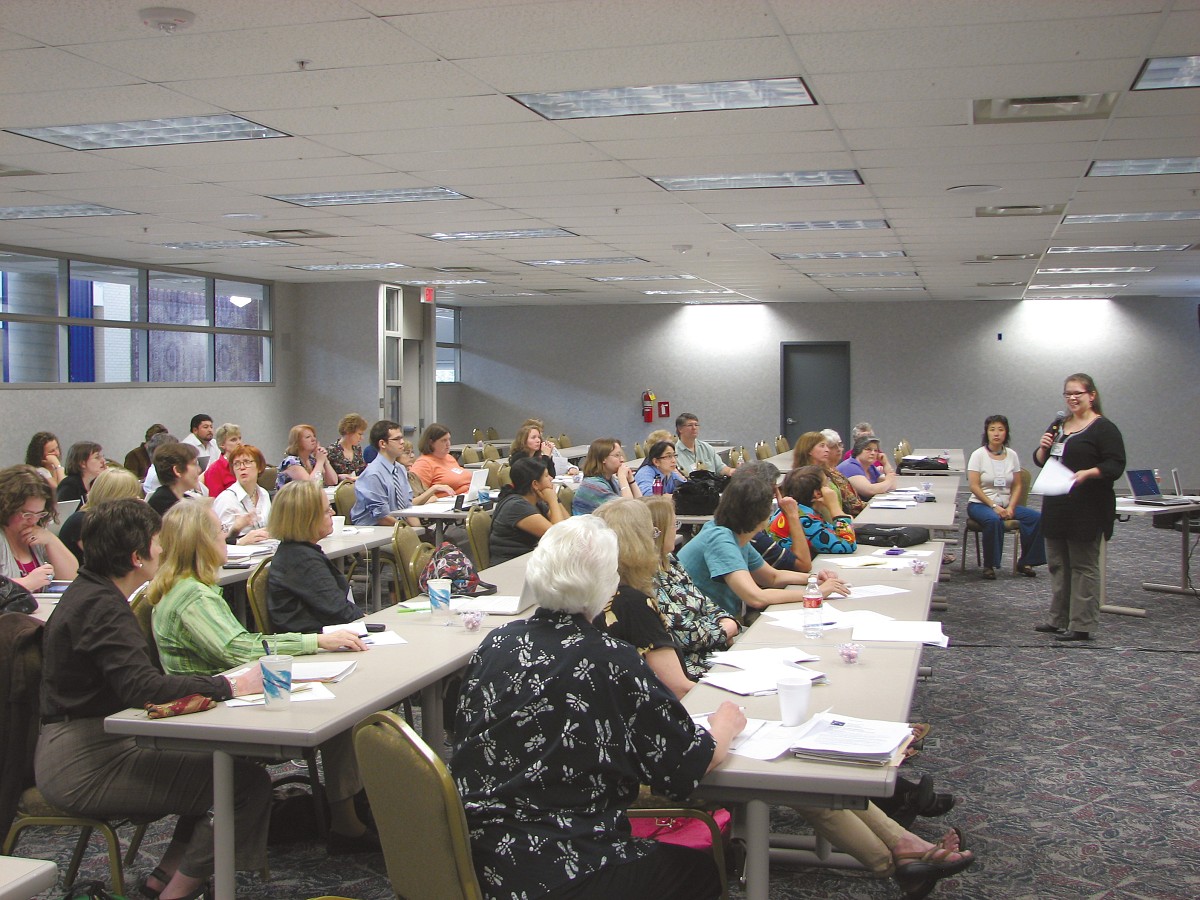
1056	209
1170	165
681	292
12	171
1120	248
859	290
999	284
668	98
974	189
226	245
349	267
62	211
1169	72
1181	215
442	282
594	261
819	225
643	278
516	234
1078	286
1072	297
822	178
860	274
254	216
842	254
351	198
1060	108
151	132
1094	270
1000	257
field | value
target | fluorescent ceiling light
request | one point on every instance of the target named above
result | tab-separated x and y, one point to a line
1072	297
349	267
1094	270
1169	72
821	178
349	198
643	278
595	261
985	212
515	294
151	132
64	211
443	282
500	235
860	290
1120	248
696	291
1170	165
226	245
668	98
860	274
239	302
842	254
1109	218
820	225
1081	286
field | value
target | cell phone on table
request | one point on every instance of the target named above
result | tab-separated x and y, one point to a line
376	627
458	502
239	564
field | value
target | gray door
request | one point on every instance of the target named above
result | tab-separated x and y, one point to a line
815	388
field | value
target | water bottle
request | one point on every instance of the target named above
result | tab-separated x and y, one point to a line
657	488
812	608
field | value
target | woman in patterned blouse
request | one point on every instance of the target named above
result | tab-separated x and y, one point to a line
813	449
345	454
827	528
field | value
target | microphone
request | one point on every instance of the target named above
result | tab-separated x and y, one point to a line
1056	425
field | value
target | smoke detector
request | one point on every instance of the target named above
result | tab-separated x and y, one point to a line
166	19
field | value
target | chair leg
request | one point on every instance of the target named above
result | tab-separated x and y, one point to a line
318	793
85	834
134	843
114	859
962	562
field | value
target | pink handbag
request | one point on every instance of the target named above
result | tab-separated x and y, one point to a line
682	830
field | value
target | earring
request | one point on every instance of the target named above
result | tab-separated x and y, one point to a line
138	564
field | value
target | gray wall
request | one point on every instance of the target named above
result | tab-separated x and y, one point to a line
927	372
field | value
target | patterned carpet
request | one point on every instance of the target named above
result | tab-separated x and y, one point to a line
1076	767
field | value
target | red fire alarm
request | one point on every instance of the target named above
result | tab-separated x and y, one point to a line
664	409
427	294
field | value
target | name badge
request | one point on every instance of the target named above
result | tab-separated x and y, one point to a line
1000	481
1056	449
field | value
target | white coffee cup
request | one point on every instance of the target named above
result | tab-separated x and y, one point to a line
339	522
794	694
277	680
439	595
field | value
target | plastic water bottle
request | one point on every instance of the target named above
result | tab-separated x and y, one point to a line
657	488
812	608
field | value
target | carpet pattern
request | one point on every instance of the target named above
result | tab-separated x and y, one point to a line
1076	767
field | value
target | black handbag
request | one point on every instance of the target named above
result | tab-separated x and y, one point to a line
699	496
925	463
14	597
891	535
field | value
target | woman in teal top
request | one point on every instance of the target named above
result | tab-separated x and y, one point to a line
197	633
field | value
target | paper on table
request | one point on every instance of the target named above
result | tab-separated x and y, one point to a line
321	671
857	562
312	691
763	656
384	639
760	680
877	590
892	504
831	617
1054	480
912	632
826	732
752	726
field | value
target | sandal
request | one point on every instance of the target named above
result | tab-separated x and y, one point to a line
143	886
920	731
919	877
962	840
1027	571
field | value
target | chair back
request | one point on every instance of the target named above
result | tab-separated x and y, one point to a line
490	451
638	452
256	593
469	455
904	448
566	496
144	613
479	532
563	441
763	451
735	457
266	480
416	565
492	434
505	475
418	812
416	483
782	445
493	477
343	499
476	435
405	541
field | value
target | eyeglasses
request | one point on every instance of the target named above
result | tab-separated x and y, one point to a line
399	439
1071	395
669	456
40	518
243	464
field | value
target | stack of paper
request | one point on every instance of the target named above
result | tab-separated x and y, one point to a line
911	632
245	551
760	679
327	672
845	739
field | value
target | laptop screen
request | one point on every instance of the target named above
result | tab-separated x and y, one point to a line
478	482
1142	483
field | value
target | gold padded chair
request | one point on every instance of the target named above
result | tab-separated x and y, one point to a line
563	440
763	451
1011	526
416	483
405	542
493	477
735	457
566	497
904	448
505	475
638	452
418	812
490	451
479	532
417	563
492	434
266	479
782	445
343	499
256	593
469	455
476	435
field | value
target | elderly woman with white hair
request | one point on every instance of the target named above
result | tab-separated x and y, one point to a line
557	726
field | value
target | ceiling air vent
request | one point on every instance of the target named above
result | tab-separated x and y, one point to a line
290	234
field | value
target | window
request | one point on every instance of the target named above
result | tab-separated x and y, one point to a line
71	321
446	330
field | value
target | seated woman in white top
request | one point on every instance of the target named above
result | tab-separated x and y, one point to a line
529	442
994	476
44	453
244	507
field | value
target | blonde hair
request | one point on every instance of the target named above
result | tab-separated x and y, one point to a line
351	423
114	484
660	434
637	555
297	511
192	547
295	436
662	514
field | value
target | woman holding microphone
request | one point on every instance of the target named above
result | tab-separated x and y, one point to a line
1075	523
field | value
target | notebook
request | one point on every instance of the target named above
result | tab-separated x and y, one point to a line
1144	488
493	604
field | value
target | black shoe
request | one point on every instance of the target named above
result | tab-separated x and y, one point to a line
342	845
1049	629
908	800
1074	636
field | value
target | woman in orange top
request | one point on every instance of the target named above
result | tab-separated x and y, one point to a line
435	465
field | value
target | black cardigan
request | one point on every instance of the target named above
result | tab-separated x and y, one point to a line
1090	508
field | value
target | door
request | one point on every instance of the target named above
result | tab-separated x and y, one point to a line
814	388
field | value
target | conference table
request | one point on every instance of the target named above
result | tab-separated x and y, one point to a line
23	879
938	514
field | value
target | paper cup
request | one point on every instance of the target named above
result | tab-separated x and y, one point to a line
794	694
439	596
339	522
277	680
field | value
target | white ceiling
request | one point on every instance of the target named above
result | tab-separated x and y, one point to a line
404	93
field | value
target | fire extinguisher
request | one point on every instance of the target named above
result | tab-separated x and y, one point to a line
648	399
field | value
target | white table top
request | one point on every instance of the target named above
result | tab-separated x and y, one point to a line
23	879
939	514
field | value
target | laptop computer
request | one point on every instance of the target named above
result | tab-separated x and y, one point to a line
478	483
1144	488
